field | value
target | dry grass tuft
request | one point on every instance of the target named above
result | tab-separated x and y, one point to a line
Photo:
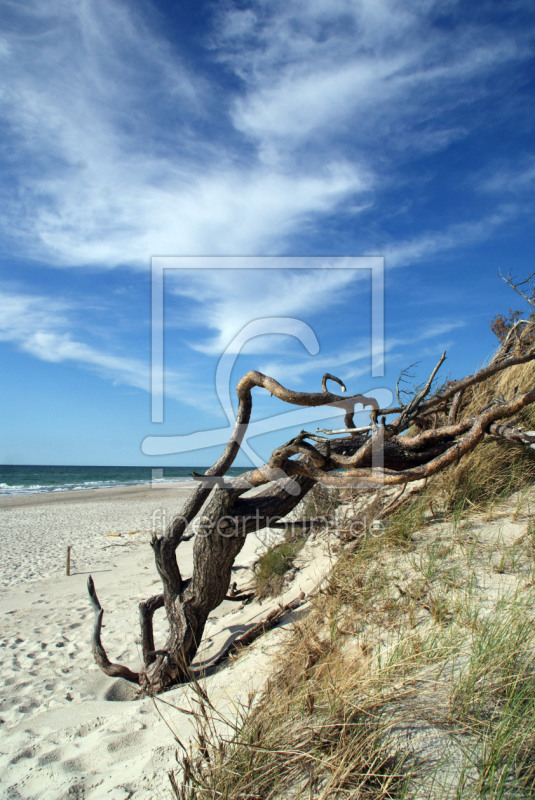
489	474
308	736
495	469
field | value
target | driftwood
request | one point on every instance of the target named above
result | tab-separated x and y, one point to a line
381	454
114	670
250	636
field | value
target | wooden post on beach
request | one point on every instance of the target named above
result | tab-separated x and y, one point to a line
69	560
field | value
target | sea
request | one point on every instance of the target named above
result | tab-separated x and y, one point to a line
32	478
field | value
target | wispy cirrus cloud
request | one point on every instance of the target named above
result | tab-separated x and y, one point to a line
224	300
431	243
129	148
43	327
110	165
353	360
348	74
516	177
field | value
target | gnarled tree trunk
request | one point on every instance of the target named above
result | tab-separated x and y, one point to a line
381	454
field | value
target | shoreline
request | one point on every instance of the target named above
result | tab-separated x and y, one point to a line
139	491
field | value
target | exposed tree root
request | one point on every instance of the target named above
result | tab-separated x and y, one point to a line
381	454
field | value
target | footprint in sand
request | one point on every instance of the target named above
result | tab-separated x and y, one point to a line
50	757
28	752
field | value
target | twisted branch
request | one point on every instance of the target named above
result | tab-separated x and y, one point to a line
147	608
383	458
459	448
101	658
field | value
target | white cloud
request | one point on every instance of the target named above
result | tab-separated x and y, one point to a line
349	74
509	178
41	327
111	168
120	148
437	329
402	253
225	300
342	364
301	104
221	214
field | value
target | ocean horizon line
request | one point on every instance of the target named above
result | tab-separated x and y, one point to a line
45	478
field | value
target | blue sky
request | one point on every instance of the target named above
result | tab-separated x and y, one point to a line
310	128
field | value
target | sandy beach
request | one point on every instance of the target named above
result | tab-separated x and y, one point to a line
38	528
66	729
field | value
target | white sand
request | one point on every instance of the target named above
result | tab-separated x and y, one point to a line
37	528
66	729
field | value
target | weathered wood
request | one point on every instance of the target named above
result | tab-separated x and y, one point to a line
254	633
230	512
512	434
101	658
147	608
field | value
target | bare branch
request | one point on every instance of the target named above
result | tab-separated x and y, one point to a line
394	504
146	613
272	619
410	411
329	377
366	429
249	381
455	406
309	399
453	454
402	375
298	445
482	375
101	658
513	434
508	341
515	284
242	595
438	400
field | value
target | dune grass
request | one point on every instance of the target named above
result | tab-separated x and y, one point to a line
413	676
272	567
412	639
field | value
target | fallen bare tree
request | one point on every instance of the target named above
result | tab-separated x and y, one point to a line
381	454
